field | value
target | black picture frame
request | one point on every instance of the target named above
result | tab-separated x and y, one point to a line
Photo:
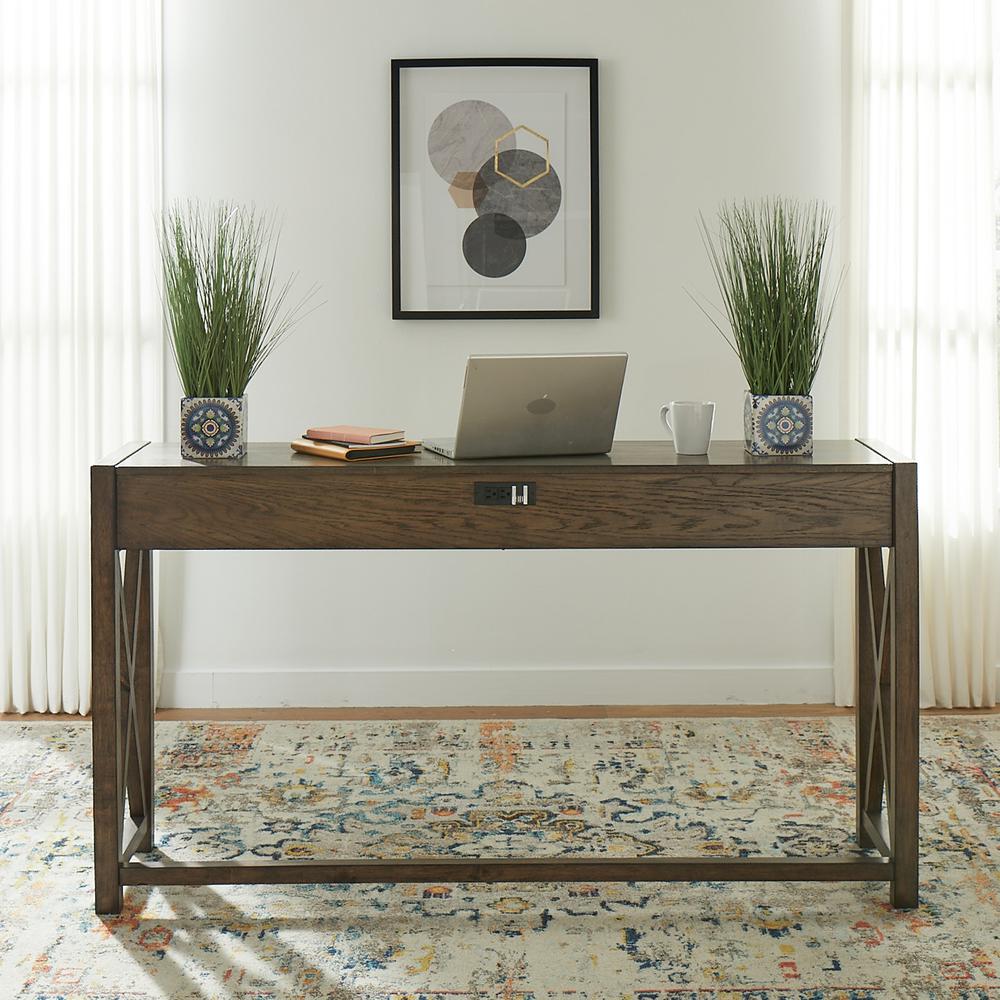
593	312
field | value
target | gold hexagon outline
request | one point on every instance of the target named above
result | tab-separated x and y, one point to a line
513	180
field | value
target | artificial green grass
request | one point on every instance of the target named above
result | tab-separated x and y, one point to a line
770	263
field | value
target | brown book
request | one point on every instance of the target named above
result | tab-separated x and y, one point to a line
349	434
355	453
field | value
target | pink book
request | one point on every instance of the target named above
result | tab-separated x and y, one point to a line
349	434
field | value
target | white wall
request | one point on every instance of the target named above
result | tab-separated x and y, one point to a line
287	105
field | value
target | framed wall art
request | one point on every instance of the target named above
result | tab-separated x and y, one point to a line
494	189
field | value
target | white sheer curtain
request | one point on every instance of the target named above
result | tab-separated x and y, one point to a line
924	308
80	334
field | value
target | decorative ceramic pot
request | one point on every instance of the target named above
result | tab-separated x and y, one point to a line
778	425
213	427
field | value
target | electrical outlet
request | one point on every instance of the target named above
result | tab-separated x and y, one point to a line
505	494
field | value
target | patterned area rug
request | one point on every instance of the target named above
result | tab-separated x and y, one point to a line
540	787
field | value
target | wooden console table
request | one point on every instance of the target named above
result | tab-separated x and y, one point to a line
849	494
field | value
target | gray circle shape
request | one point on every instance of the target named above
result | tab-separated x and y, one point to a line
494	245
463	137
532	207
541	406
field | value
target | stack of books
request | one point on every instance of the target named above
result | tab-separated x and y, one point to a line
348	443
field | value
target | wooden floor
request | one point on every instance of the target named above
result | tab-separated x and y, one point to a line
498	712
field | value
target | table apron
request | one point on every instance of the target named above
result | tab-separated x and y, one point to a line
229	509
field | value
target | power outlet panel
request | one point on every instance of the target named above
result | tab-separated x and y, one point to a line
505	494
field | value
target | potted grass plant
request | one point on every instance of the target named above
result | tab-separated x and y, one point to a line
770	260
225	312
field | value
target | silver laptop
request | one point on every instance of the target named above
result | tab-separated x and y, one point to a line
521	405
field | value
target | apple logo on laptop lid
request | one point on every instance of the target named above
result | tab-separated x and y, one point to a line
541	406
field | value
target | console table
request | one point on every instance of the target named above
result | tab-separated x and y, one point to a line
850	494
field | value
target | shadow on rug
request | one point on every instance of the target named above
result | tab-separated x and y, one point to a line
532	787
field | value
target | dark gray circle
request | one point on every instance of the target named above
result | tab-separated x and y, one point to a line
494	245
532	207
463	137
541	406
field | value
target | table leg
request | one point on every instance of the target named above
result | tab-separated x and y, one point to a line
905	758
146	699
104	576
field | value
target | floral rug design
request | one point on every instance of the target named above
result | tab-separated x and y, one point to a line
528	787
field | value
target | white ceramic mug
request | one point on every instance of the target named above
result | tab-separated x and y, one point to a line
690	423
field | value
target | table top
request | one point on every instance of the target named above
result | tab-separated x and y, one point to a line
624	456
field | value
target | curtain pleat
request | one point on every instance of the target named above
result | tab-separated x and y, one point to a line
924	309
80	330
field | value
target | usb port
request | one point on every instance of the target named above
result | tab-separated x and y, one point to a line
504	494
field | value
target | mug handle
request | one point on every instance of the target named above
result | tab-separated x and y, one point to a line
664	410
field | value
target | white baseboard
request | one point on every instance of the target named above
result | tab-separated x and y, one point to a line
377	688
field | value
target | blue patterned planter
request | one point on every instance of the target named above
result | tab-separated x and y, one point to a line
778	425
213	427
